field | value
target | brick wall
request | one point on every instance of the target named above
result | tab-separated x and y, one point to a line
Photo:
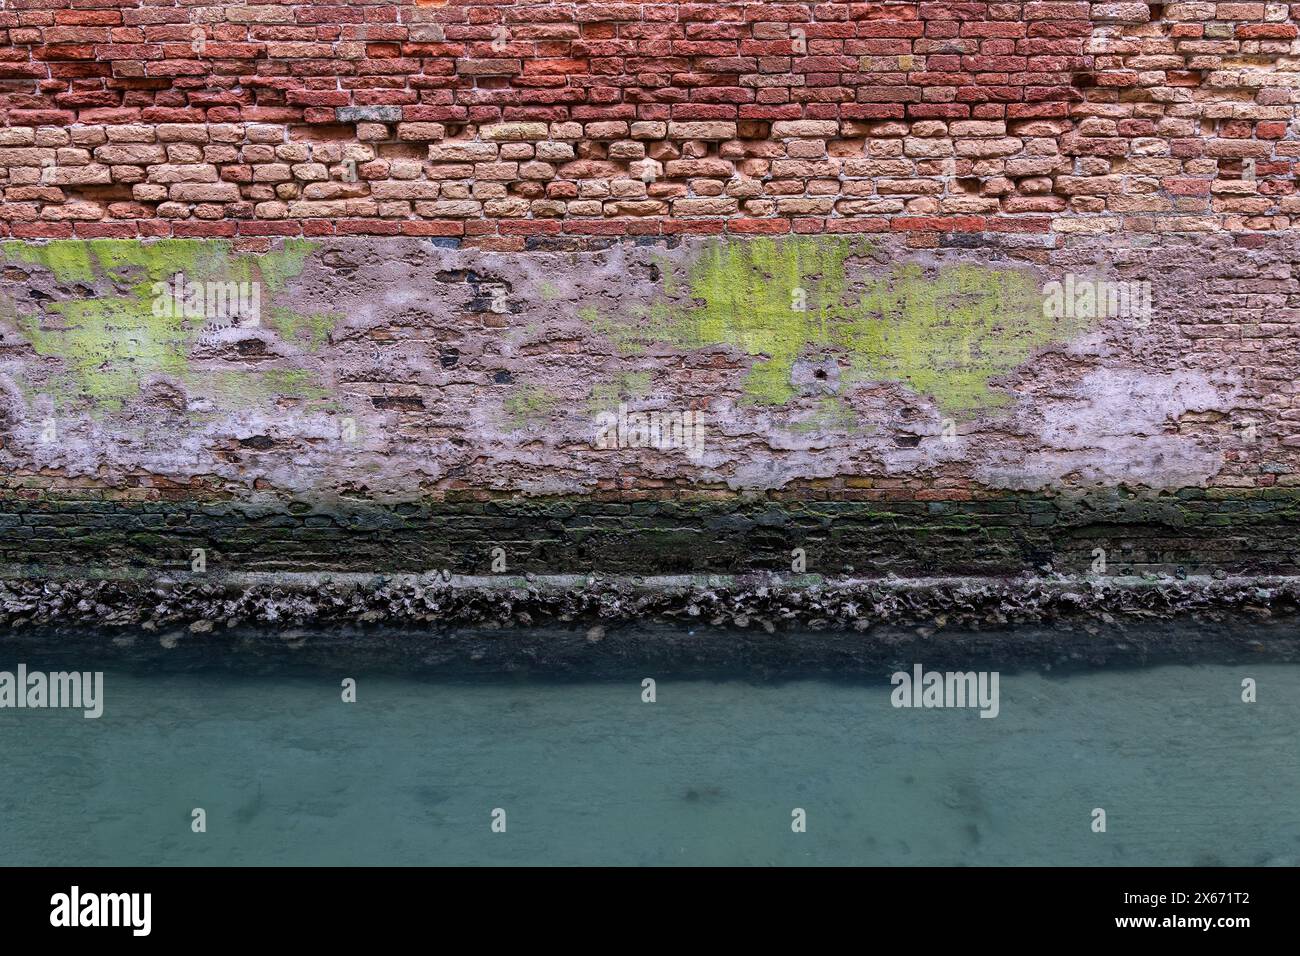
492	122
478	227
93	529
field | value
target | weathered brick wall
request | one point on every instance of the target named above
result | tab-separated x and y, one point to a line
96	530
407	404
401	367
495	122
478	227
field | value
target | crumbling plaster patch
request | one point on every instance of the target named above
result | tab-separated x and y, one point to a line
441	367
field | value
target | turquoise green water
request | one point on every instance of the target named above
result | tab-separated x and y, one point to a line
708	774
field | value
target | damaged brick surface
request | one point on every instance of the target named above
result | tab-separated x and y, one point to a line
495	122
650	288
401	368
406	405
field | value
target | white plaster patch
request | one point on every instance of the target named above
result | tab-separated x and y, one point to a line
1113	427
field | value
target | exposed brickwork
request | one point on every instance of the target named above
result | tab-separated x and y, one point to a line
464	371
972	150
493	122
1200	532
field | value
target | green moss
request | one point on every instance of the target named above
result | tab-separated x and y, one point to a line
606	396
774	299
947	334
628	338
74	261
831	414
528	404
309	331
665	267
106	343
278	268
69	261
263	386
109	340
950	335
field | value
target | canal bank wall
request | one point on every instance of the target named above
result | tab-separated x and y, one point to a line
599	625
659	409
495	289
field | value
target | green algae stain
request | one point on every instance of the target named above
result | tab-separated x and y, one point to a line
528	405
265	386
69	261
106	343
950	335
946	333
769	298
109	336
309	331
831	415
606	396
628	338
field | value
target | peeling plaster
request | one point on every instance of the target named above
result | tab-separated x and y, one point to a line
443	381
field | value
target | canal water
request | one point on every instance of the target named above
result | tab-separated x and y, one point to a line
416	771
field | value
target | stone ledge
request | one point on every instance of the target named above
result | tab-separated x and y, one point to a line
763	626
204	603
